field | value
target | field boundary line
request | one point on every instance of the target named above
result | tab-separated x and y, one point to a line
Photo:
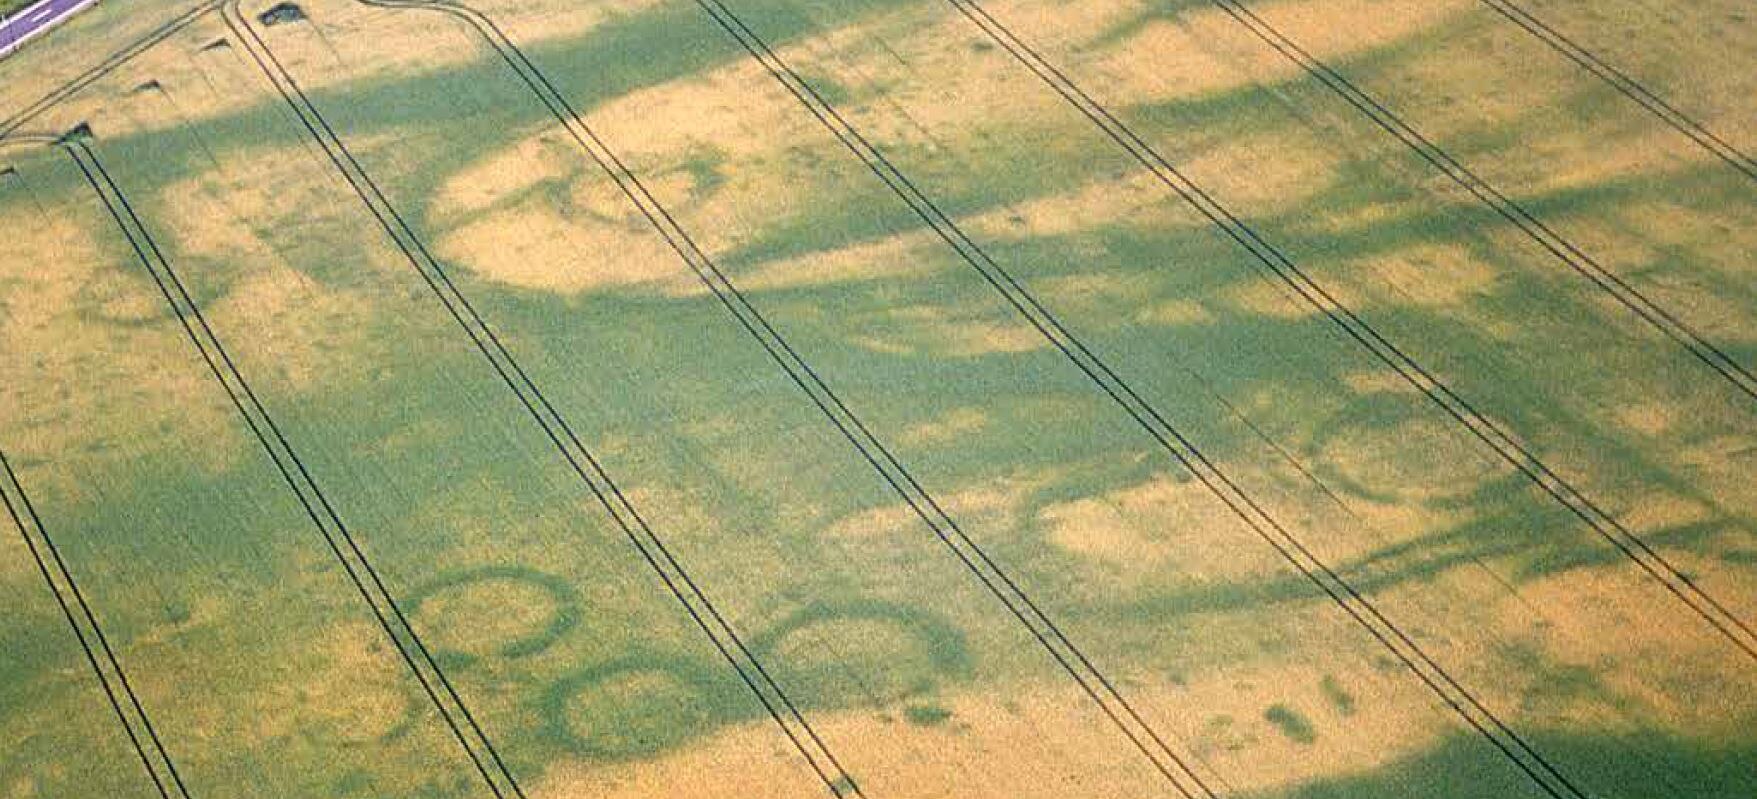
1627	85
587	468
1278	266
313	500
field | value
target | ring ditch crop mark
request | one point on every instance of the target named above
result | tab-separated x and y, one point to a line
942	643
1462	701
1711	610
1099	688
112	678
1627	85
648	689
292	469
91	304
110	63
565	617
1365	414
413	713
591	473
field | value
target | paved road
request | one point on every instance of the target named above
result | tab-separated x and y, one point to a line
35	19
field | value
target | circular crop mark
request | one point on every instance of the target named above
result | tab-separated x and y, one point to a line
374	710
1379	450
630	707
119	299
862	652
355	691
494	611
129	297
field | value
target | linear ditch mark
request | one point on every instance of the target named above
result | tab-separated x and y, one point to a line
1546	237
112	678
316	504
1176	768
1627	85
591	473
1363	611
1461	410
110	63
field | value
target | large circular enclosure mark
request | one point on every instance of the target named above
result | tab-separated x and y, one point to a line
1391	448
631	707
494	611
862	652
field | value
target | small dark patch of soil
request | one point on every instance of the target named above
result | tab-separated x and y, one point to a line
279	13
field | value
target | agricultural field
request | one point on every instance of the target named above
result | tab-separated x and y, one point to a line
1283	399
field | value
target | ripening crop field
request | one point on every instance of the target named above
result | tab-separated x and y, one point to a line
1270	399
